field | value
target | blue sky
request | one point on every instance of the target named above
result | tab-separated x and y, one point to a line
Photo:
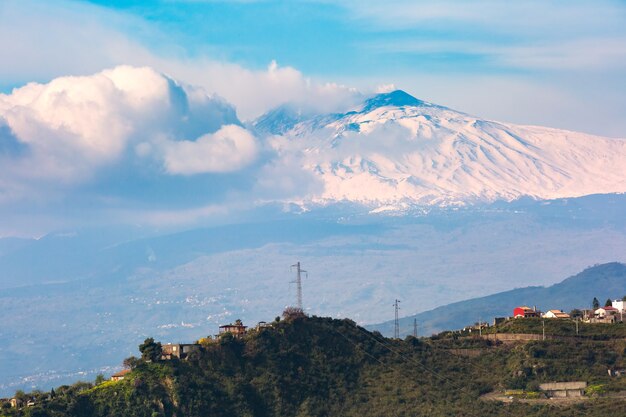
532	62
354	38
552	63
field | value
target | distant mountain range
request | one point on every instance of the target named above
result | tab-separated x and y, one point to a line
395	151
600	281
111	254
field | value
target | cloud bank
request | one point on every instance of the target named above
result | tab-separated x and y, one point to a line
135	143
73	126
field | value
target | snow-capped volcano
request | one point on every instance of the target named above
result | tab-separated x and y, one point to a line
397	150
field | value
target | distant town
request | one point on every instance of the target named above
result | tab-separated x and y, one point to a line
611	312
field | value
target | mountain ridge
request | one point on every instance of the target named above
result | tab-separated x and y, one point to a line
395	151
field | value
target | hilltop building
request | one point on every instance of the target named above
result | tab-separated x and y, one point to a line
263	325
525	312
118	376
499	320
178	350
556	314
607	314
238	330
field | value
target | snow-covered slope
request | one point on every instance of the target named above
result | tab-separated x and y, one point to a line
396	151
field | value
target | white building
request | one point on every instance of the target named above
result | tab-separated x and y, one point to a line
556	314
606	312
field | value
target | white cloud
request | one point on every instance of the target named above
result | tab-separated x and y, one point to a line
229	149
128	136
72	126
286	179
129	142
254	92
385	88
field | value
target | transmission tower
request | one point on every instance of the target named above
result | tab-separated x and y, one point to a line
298	283
396	329
415	328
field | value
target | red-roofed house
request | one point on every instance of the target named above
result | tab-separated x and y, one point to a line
120	375
524	312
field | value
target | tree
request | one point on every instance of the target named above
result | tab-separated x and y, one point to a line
150	350
206	341
99	379
595	303
20	395
575	313
608	302
130	362
226	338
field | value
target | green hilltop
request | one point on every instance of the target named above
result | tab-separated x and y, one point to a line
311	366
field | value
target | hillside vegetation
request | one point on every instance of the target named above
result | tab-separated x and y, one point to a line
310	366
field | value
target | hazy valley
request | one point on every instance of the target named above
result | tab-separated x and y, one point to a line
92	296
